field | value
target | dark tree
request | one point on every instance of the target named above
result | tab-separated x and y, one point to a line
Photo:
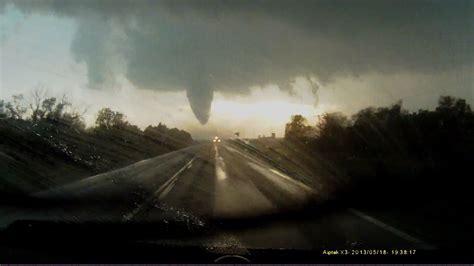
297	128
106	118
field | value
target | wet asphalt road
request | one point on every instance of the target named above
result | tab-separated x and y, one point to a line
215	181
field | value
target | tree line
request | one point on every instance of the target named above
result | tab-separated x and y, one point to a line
389	152
43	109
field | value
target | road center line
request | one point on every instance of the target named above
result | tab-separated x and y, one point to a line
160	192
420	243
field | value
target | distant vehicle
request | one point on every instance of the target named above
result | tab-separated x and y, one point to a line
216	139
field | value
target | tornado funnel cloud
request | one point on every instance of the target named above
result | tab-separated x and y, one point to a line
200	99
232	47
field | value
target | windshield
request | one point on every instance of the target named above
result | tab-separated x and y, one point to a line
324	126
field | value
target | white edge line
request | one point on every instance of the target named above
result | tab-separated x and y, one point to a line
292	180
272	170
157	193
422	244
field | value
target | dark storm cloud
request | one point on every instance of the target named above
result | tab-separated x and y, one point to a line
227	46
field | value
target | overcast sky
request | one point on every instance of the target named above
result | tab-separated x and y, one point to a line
217	67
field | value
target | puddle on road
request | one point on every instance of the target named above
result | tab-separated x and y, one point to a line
220	166
235	197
